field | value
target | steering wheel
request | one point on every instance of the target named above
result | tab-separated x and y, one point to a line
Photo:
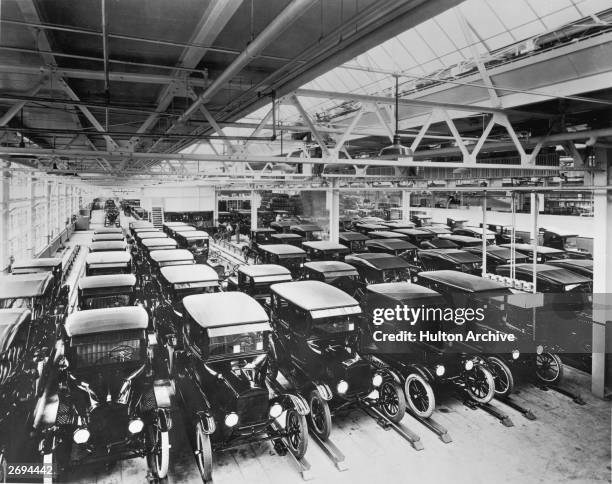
121	353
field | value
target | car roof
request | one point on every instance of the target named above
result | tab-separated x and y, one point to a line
108	244
286	236
372	226
174	224
260	270
146	228
108	230
542	249
562	233
113	256
582	263
282	249
218	309
159	242
263	230
153	234
392	244
306	227
496	250
189	273
324	245
350	236
313	295
461	280
110	280
140	223
386	234
459	238
402	291
442	243
378	261
475	229
106	320
49	262
169	255
330	266
412	232
436	229
25	285
193	234
456	255
109	236
396	224
184	228
550	273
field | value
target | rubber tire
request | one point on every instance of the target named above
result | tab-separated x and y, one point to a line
294	418
204	456
325	430
159	468
415	378
498	365
392	386
490	383
558	377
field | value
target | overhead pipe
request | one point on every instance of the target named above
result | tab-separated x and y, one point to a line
280	23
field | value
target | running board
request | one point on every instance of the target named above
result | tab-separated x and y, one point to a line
491	409
575	397
435	427
385	423
527	413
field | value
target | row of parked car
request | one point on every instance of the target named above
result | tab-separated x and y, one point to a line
154	320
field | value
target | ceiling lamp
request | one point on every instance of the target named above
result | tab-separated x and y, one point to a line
396	150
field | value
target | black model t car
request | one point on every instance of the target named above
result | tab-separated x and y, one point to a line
315	344
108	246
462	241
114	262
503	234
257	238
195	241
107	291
476	232
543	254
101	400
416	236
377	268
324	250
284	255
355	241
336	273
308	232
255	280
386	234
438	244
566	242
397	224
450	259
399	247
497	256
287	238
221	376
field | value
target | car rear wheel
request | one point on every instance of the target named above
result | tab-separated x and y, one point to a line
158	457
203	451
504	381
549	368
391	401
419	396
320	416
480	384
297	433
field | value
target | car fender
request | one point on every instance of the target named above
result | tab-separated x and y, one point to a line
324	390
389	374
297	402
423	371
208	422
45	411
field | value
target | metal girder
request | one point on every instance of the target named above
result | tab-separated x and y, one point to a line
212	22
281	22
295	101
349	129
133	77
15	108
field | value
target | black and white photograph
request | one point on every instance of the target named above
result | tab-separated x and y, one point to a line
305	241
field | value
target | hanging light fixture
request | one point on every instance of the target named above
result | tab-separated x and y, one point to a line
396	150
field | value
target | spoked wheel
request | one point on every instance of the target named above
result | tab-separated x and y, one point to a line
203	452
504	381
549	368
320	416
296	428
419	396
391	401
480	384
158	458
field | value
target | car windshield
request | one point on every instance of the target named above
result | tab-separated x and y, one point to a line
571	242
396	275
188	291
99	302
332	326
236	343
107	348
263	237
358	245
15	302
470	267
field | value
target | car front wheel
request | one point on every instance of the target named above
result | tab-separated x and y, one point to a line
480	384
549	368
391	401
158	458
204	457
419	396
297	433
504	381
320	416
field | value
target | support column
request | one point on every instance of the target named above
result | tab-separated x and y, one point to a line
48	224
534	235
484	234
333	204
405	205
4	216
255	202
216	209
601	365
30	241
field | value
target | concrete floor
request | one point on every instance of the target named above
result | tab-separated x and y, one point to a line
567	443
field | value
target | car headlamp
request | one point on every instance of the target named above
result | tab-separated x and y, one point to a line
539	349
231	419
377	380
135	426
342	386
81	435
515	354
469	365
276	410
440	370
